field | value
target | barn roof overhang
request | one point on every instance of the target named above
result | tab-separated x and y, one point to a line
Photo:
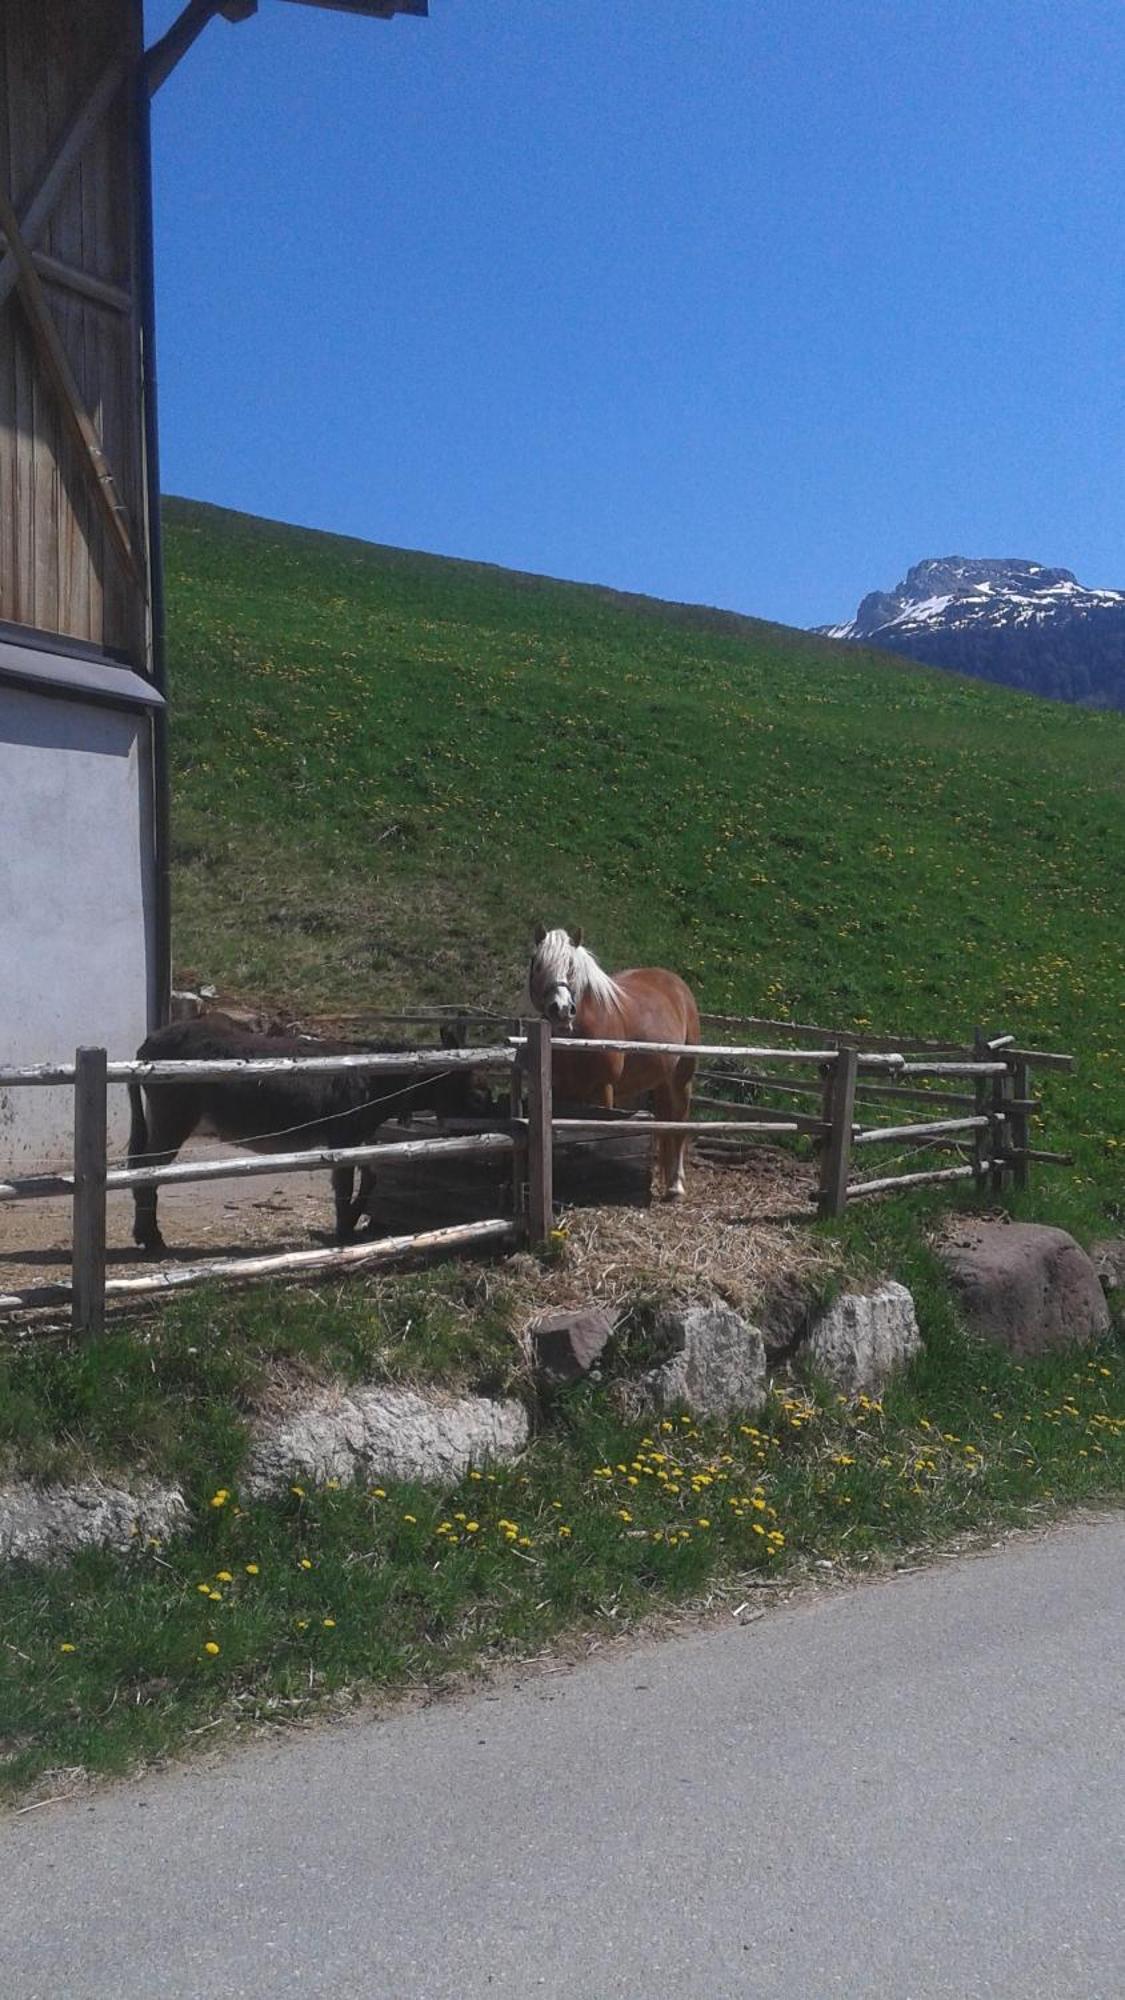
380	10
45	664
162	57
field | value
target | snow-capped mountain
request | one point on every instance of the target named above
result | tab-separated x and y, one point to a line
1004	620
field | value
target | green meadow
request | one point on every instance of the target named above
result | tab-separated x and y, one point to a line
388	766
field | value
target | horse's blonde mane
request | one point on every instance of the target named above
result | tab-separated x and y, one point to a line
559	958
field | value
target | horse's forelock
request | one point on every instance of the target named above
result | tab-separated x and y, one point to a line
559	961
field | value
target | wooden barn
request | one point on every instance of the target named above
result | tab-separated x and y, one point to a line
84	913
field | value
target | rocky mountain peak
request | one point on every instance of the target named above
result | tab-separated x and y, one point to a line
1006	619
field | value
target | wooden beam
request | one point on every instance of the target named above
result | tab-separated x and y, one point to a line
496	1229
83	282
56	364
161	59
706	1050
413	1061
880	1135
238	1167
696	1128
62	162
910	1180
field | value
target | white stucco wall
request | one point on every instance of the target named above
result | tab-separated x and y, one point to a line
77	901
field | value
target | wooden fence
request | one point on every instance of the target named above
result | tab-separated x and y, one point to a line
92	1178
989	1117
985	1120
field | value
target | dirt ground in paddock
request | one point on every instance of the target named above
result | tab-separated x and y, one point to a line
732	1214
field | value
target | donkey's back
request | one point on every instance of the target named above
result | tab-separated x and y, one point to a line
292	1112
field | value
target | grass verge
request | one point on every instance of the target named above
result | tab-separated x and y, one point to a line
269	1611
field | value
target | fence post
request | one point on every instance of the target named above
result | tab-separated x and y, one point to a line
540	1138
87	1304
1019	1081
984	1140
998	1114
835	1161
518	1125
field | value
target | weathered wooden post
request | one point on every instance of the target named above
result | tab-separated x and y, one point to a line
984	1139
998	1116
518	1124
540	1138
87	1306
835	1160
1019	1079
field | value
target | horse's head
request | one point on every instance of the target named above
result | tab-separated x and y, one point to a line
552	980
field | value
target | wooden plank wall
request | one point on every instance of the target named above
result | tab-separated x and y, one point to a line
58	568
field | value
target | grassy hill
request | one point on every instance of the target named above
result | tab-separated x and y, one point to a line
387	766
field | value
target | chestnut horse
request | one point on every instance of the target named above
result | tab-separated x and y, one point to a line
568	987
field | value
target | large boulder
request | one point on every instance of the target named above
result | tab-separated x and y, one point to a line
384	1434
563	1346
714	1363
1024	1286
44	1524
864	1338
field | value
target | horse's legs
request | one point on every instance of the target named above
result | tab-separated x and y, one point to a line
672	1100
154	1142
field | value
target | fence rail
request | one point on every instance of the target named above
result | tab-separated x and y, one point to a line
993	1120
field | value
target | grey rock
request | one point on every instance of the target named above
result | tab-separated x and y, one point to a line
384	1434
864	1338
1108	1260
44	1524
716	1363
1025	1287
564	1346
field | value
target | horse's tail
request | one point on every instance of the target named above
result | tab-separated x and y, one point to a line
138	1123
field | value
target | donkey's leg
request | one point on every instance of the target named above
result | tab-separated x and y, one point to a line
365	1198
343	1181
154	1143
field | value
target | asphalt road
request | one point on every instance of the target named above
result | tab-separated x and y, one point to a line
910	1789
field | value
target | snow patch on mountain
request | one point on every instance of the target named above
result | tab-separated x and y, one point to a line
959	592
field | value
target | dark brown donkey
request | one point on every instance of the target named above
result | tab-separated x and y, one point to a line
277	1114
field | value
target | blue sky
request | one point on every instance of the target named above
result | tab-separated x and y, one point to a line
745	302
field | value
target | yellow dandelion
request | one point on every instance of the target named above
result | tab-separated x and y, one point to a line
252	1569
223	1576
211	1648
66	1647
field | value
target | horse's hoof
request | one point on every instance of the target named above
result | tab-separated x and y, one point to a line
150	1246
676	1193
